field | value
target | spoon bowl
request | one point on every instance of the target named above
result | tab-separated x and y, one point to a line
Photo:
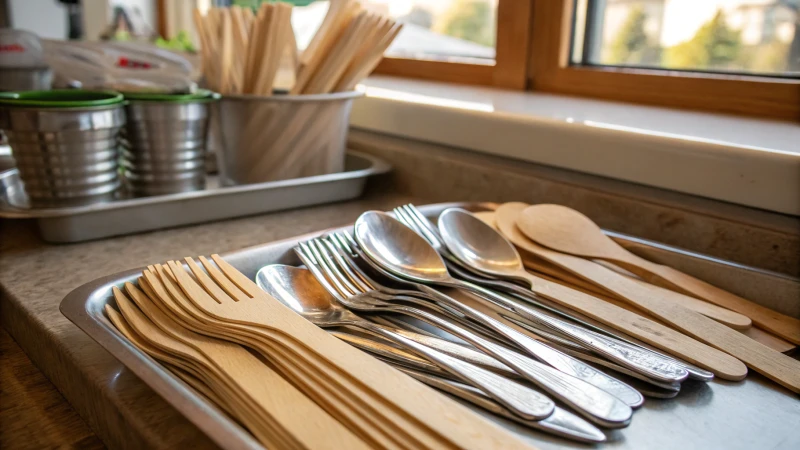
567	231
477	244
399	249
299	290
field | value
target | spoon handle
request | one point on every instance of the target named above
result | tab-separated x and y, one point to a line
620	390
634	357
561	423
574	382
625	354
520	399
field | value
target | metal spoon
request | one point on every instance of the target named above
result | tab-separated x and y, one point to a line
300	290
482	248
561	422
401	251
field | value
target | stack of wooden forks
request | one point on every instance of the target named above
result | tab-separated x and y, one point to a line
305	388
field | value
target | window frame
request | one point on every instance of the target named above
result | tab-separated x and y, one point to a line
532	52
511	59
550	71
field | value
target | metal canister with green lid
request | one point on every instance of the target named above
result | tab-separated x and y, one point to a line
65	144
165	142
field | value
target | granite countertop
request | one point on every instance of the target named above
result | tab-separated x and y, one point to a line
35	277
125	413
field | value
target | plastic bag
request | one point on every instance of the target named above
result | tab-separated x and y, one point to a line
130	67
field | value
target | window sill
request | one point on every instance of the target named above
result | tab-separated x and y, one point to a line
739	160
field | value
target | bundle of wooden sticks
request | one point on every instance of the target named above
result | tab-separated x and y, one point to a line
247	53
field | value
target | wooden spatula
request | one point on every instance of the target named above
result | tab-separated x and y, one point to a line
776	366
655	334
568	231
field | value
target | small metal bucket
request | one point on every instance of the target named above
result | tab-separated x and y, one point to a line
281	136
164	146
65	156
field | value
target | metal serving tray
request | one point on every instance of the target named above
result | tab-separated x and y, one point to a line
134	215
753	414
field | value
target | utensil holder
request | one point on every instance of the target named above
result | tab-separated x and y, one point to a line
66	156
164	146
281	136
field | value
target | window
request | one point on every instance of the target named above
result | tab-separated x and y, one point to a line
731	56
466	41
443	30
757	37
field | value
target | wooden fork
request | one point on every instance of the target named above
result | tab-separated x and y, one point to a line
156	338
160	281
288	408
186	372
438	420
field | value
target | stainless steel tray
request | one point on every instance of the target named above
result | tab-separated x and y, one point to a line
753	414
134	215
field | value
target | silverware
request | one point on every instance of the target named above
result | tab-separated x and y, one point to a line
316	304
360	283
394	248
474	244
646	386
561	422
503	262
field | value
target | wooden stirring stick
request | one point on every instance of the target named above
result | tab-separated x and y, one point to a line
776	366
362	67
226	53
568	231
341	53
342	13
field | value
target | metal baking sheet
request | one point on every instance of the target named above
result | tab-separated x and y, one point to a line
752	414
127	216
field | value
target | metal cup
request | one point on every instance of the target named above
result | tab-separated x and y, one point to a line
281	136
65	156
164	146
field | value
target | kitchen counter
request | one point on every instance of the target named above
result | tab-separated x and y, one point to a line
35	277
125	413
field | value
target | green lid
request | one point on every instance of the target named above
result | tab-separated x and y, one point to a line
200	95
66	98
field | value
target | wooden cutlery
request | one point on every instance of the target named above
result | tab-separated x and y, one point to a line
403	412
246	53
296	386
653	333
568	231
776	366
